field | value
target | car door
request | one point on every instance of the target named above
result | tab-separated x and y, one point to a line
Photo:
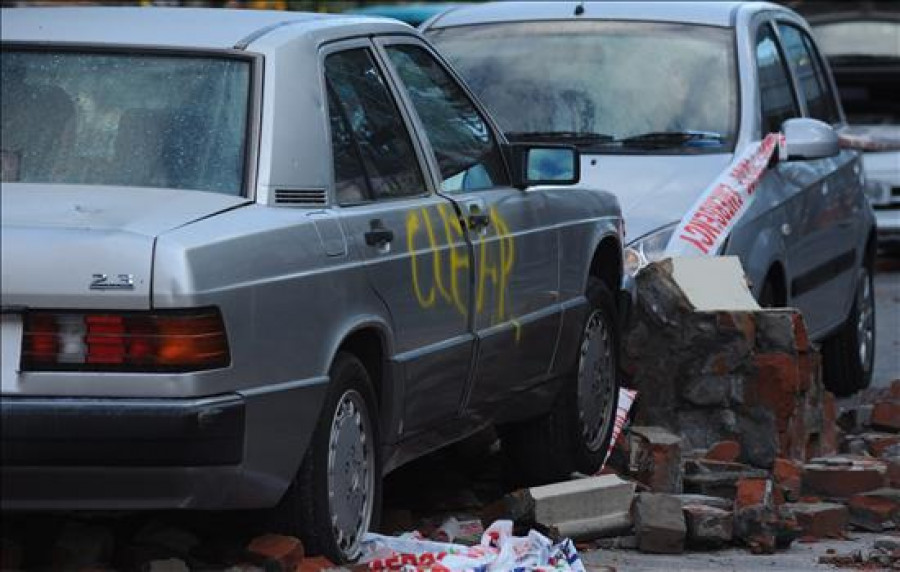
825	256
515	313
416	259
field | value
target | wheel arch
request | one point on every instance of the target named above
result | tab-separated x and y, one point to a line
607	264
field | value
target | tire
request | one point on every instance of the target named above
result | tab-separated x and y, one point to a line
848	356
331	510
575	434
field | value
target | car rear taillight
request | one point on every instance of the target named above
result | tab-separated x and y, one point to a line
134	341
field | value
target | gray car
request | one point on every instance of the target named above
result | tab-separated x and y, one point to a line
258	259
662	98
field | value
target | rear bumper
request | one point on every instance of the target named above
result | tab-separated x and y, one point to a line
233	451
65	432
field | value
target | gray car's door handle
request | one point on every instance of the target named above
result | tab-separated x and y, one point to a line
478	220
379	235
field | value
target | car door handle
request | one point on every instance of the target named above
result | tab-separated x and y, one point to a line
379	235
478	220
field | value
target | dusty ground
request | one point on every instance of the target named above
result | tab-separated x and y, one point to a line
800	558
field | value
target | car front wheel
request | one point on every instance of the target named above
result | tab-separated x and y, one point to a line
575	434
336	497
848	356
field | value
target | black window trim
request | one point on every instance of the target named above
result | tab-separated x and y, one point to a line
828	83
799	105
366	43
388	40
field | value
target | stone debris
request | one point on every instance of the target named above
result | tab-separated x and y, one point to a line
732	373
820	520
285	551
707	527
659	524
656	459
843	477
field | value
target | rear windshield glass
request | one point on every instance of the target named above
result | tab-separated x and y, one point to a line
124	119
616	79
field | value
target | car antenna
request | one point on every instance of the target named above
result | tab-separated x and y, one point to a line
579	8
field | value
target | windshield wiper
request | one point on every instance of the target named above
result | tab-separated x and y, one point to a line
570	137
673	139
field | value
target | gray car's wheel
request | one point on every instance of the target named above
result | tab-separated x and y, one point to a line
576	433
848	356
336	496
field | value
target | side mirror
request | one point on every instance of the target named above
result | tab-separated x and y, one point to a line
806	139
543	164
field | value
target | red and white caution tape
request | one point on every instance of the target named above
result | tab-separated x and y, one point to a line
706	225
626	400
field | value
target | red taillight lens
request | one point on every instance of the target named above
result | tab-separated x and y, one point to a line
40	342
159	341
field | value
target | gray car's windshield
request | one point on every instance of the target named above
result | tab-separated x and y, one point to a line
124	119
607	85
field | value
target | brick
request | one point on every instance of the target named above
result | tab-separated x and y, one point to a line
837	481
584	508
287	551
821	520
707	527
871	513
719	484
886	416
789	476
753	492
727	451
828	435
659	524
656	459
894	391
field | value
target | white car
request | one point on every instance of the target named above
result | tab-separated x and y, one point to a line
663	99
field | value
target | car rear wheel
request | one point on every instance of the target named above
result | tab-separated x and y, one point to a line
848	356
336	497
575	434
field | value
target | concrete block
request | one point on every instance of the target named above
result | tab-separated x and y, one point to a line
659	524
585	508
714	502
713	283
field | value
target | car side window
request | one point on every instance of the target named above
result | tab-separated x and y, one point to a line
373	131
809	73
466	150
775	92
350	181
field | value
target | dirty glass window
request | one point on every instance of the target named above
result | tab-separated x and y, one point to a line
383	141
775	92
465	148
809	73
617	79
350	182
136	120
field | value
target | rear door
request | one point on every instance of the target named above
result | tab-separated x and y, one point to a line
416	257
515	304
826	254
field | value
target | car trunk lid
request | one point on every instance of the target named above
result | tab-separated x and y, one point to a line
80	247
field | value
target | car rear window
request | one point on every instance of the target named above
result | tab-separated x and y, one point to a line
138	120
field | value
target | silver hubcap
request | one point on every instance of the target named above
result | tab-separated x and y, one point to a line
351	468
865	323
596	380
